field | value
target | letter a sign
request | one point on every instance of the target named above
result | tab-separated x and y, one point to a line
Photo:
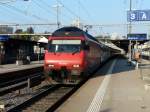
143	15
138	15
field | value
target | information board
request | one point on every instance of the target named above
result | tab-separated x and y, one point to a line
137	36
4	37
138	15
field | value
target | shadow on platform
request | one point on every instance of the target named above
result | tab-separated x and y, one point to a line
121	65
106	110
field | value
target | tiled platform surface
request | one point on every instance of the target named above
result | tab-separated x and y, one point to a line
125	91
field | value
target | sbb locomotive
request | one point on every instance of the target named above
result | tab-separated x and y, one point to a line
72	54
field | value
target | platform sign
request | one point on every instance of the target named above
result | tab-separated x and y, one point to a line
137	36
138	15
4	37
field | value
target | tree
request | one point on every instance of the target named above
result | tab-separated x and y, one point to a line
18	31
30	30
22	37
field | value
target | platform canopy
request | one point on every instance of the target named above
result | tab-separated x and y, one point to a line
4	37
43	39
125	43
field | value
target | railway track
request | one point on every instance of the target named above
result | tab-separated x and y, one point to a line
47	95
47	100
18	74
13	92
19	83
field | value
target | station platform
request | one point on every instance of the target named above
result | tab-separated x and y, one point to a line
116	87
14	67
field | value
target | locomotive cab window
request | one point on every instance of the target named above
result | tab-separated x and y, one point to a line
68	46
85	46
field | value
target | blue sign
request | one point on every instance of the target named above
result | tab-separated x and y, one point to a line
4	37
136	36
138	15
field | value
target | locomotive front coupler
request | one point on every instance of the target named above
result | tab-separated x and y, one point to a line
64	72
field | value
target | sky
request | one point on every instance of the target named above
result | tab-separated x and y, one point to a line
95	12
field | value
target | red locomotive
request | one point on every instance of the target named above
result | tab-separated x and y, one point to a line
73	53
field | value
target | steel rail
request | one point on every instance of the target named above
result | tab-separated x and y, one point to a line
53	89
18	83
35	98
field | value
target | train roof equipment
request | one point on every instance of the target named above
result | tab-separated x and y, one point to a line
72	31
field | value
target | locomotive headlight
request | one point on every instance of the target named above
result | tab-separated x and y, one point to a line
51	65
76	66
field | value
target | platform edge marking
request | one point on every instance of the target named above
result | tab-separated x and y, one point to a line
96	103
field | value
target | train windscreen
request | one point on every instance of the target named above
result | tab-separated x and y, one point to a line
67	46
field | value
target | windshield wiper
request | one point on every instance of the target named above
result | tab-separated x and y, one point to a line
75	52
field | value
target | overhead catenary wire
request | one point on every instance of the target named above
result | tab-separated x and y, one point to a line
43	2
47	8
24	12
10	13
7	1
86	11
79	12
64	15
71	12
43	7
16	11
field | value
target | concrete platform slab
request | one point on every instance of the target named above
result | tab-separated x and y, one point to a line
125	92
13	67
82	99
